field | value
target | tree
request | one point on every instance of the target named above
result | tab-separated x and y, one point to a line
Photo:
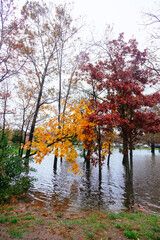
26	97
124	76
66	66
8	28
53	135
5	95
49	34
152	22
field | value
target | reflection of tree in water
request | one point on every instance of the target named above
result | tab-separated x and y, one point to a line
64	190
128	189
114	191
110	184
91	192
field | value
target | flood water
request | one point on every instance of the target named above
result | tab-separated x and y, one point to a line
115	191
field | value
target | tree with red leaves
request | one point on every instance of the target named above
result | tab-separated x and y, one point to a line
124	76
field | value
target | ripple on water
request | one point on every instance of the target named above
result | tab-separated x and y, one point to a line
114	192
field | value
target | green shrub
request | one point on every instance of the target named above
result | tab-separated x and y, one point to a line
13	177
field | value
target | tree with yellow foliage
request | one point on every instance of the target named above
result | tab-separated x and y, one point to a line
53	135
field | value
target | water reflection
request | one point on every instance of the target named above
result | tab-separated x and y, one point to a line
119	187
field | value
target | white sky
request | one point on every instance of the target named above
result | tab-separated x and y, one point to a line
125	15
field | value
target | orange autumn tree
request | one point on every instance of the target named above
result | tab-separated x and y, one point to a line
53	135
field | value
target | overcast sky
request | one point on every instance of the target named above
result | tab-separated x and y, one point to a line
125	15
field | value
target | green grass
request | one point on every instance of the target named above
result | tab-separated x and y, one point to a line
28	213
59	215
14	220
10	209
28	218
112	216
119	225
137	225
40	221
73	222
131	234
92	225
16	234
70	227
132	225
3	219
90	235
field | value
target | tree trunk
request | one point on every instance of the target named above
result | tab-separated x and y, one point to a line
34	122
125	149
153	148
131	159
88	158
55	163
109	154
99	153
4	119
129	196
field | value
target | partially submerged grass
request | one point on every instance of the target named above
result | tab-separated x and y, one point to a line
72	225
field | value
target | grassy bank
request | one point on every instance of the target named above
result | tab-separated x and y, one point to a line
27	221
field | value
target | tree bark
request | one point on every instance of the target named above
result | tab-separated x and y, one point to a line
88	158
34	121
55	163
99	153
153	148
109	154
4	118
125	149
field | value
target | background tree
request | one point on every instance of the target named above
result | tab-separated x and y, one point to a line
152	23
26	96
124	76
5	109
8	29
49	32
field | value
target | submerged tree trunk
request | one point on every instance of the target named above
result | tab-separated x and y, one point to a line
153	148
125	150
129	199
99	153
109	154
87	157
131	160
55	162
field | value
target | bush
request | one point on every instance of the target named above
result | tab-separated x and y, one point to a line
13	177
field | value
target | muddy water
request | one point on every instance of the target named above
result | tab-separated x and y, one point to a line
115	191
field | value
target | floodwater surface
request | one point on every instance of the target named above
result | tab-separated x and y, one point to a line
115	191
